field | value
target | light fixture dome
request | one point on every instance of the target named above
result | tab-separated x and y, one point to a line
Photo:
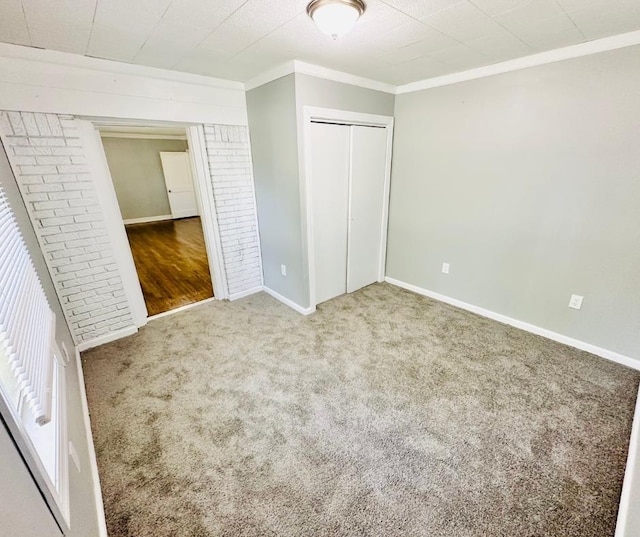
335	17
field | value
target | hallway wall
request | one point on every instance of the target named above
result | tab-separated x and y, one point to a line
137	174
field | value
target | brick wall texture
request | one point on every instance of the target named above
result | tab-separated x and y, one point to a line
233	191
46	154
48	160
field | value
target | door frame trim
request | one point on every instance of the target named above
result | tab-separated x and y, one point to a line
113	217
345	117
207	207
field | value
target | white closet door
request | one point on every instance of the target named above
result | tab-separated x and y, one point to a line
179	181
368	153
329	152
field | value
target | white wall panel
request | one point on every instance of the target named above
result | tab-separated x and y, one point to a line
55	82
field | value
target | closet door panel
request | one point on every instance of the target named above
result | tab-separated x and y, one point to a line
368	153
330	193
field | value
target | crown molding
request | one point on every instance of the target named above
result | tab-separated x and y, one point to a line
296	66
21	52
270	75
149	136
340	76
543	58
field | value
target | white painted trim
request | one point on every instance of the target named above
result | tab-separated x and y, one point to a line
255	206
207	208
147	219
246	292
96	64
574	51
385	206
310	69
527	327
340	76
290	303
91	450
306	200
349	217
107	338
134	135
181	308
270	75
108	201
543	58
630	484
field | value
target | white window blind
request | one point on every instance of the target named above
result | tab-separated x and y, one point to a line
27	324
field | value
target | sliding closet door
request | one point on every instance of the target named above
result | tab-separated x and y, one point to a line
329	152
366	234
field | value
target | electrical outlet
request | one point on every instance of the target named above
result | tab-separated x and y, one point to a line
445	268
576	302
283	270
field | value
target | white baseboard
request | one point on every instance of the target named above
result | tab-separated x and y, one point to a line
630	497
181	308
593	349
107	338
290	303
242	294
146	219
93	463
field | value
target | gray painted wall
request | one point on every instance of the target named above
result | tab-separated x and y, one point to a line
313	91
31	509
272	128
275	113
528	183
137	175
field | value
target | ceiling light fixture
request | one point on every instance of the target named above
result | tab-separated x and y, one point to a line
335	17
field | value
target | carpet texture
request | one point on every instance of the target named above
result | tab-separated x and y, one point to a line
383	414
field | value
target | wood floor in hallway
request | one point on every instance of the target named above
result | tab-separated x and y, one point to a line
172	264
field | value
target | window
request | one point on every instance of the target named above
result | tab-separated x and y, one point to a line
32	387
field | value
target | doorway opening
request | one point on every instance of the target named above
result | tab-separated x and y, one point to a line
154	181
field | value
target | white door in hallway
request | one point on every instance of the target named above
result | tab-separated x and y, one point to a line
367	233
177	176
330	194
348	172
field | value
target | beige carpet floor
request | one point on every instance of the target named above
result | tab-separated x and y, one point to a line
384	414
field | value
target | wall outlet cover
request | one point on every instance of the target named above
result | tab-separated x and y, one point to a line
576	302
445	268
283	270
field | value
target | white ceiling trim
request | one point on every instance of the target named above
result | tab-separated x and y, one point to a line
551	56
295	66
149	136
96	64
304	68
269	76
345	78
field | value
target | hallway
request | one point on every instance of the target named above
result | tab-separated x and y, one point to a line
171	261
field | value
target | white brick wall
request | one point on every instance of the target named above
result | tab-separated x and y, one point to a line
48	160
234	196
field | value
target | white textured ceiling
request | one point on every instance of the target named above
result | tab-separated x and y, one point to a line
396	41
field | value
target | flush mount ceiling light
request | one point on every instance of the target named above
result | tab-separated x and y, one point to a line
335	17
